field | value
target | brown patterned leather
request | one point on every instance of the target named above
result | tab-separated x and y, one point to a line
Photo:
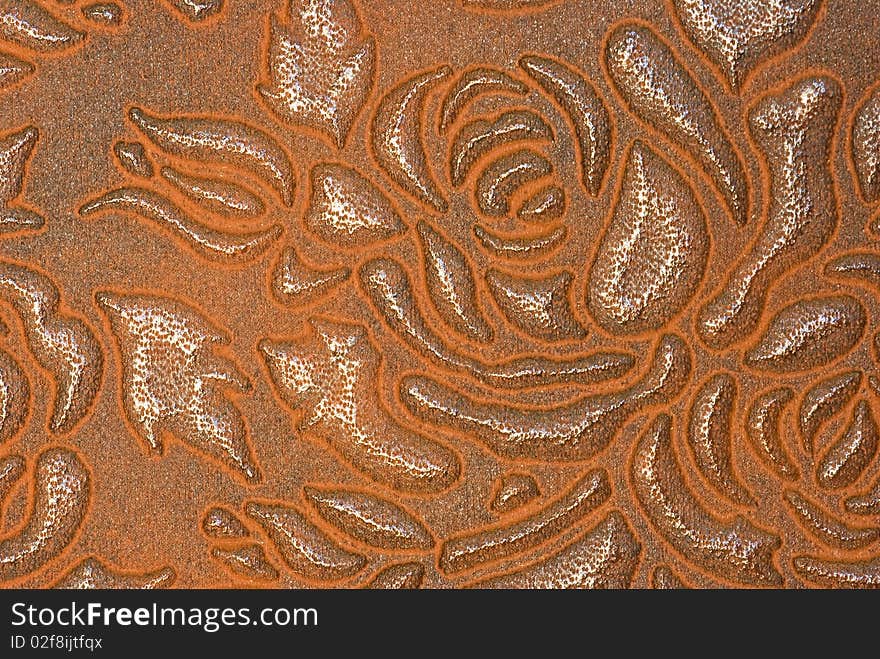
386	293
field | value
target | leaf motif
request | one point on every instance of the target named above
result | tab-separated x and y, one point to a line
13	70
60	342
28	24
347	210
330	377
809	333
852	453
15	152
93	573
369	518
740	36
653	253
865	145
320	70
59	505
173	382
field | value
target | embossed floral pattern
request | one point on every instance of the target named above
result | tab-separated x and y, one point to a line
346	301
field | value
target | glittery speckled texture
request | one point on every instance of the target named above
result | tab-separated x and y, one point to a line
515	293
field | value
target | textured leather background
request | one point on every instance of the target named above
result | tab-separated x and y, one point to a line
373	370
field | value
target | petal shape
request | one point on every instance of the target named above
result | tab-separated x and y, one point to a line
654	250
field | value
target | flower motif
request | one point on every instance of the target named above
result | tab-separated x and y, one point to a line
455	220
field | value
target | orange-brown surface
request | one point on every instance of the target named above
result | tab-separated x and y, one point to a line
387	293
